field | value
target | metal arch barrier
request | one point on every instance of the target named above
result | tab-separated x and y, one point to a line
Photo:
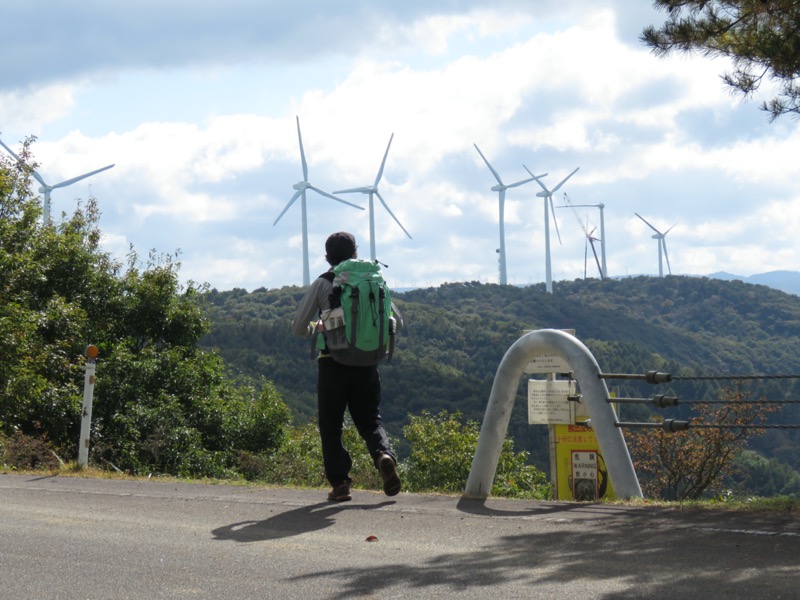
594	392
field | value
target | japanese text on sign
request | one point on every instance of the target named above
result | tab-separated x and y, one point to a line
548	402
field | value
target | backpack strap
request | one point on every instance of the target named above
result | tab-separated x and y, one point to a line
381	317
328	276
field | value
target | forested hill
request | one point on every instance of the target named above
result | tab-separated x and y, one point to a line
456	335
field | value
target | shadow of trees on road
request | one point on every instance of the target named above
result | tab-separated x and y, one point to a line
630	554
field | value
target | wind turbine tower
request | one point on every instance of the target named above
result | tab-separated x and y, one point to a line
548	199
300	192
45	189
501	188
372	190
601	206
662	246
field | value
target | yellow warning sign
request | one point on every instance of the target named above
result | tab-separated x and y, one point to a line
581	472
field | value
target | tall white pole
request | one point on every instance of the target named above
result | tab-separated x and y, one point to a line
372	253
86	412
548	269
304	217
603	239
45	205
660	259
503	273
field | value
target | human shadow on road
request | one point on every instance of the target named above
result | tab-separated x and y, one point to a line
293	522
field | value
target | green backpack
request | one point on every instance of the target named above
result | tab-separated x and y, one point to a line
358	326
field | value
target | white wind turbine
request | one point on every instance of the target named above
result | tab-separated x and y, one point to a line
601	206
372	190
46	189
501	188
589	235
300	192
662	246
548	199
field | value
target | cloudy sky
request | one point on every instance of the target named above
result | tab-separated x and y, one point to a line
196	105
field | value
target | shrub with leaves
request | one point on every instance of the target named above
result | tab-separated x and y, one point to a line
684	465
442	449
161	404
298	461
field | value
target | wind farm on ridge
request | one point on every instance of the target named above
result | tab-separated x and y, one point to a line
372	191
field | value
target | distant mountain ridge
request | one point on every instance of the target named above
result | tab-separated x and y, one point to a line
456	334
786	281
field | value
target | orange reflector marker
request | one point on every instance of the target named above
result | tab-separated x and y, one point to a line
92	351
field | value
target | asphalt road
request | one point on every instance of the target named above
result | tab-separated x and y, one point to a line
79	538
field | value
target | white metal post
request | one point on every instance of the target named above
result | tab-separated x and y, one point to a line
86	412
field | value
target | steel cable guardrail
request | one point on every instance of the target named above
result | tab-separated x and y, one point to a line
655	377
664	401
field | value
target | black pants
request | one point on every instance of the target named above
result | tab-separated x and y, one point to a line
358	390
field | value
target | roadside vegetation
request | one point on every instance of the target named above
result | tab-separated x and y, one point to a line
204	385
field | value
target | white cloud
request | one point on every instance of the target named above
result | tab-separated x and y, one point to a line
206	155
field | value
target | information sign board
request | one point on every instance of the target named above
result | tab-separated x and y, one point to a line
548	402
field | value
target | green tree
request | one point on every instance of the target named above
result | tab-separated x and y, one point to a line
46	273
442	449
161	403
761	37
755	475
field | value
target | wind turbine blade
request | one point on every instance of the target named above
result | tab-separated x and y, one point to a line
648	224
670	229
563	181
332	197
79	177
383	162
491	168
297	194
541	185
363	190
10	151
302	152
518	183
38	178
36	175
553	210
389	210
664	245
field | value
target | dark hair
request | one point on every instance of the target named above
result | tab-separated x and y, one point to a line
340	246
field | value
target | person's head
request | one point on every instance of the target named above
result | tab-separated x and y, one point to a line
340	246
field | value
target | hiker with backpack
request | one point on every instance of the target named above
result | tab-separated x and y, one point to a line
349	312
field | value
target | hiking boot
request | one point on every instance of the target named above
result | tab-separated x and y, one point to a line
388	468
340	492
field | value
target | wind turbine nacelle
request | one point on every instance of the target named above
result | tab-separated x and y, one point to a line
498	188
542	194
42	190
299	185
